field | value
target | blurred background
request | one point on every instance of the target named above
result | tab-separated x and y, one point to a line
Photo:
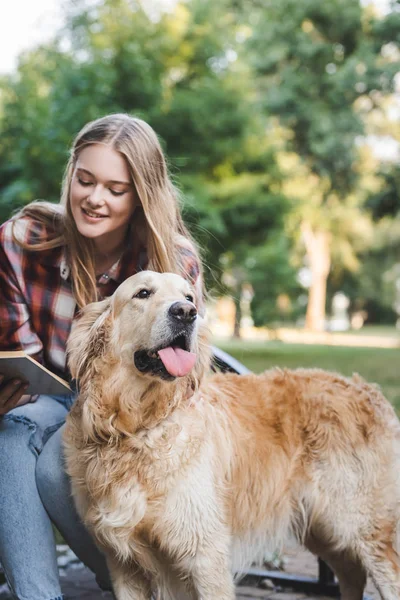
281	123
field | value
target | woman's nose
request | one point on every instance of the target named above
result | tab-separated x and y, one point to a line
95	198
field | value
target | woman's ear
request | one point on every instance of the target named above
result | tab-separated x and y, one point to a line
88	338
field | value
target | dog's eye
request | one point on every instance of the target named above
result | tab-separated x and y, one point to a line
143	294
190	298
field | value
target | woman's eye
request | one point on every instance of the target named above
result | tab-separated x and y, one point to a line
114	193
84	183
189	298
143	294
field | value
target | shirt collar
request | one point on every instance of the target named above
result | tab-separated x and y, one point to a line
112	273
131	264
63	265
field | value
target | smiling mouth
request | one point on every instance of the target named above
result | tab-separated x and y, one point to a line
169	361
92	215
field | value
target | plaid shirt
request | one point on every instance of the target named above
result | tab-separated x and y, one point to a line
36	300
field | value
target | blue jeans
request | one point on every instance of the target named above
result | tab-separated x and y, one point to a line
35	490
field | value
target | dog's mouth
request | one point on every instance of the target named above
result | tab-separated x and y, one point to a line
169	361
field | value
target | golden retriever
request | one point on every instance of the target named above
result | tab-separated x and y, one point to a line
184	477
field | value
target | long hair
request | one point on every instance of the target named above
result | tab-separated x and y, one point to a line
157	221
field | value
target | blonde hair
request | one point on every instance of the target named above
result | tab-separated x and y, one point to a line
157	222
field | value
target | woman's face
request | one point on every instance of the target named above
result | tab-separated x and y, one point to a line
102	196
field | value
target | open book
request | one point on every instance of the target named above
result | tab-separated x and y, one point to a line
19	365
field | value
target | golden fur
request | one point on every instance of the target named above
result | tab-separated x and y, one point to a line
181	491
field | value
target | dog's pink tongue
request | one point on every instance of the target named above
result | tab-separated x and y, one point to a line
178	362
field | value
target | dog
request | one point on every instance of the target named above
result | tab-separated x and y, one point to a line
185	478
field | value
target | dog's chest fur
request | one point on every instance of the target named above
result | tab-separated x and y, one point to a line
144	489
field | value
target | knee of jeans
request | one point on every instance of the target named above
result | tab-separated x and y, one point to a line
17	434
50	473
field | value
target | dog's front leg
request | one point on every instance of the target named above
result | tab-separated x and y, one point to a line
208	567
194	534
128	581
212	578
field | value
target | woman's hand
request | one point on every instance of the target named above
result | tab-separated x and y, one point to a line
12	394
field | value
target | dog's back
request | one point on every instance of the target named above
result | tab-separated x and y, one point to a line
313	454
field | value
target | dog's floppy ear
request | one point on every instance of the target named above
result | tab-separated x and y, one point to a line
88	338
203	363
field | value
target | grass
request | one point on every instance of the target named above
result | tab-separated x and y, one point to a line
378	365
377	330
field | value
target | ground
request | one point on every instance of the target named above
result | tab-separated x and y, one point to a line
78	582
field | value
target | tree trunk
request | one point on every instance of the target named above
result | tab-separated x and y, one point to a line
238	313
319	258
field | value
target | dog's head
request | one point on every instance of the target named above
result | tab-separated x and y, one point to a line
150	326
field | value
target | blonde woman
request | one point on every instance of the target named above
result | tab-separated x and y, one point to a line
118	214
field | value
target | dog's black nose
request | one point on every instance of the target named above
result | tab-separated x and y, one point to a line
184	312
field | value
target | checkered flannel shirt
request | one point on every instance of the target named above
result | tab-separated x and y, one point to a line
36	300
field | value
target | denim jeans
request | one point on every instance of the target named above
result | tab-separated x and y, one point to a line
35	490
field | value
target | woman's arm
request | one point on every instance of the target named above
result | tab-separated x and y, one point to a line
16	332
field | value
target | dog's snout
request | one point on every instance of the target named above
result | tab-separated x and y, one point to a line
184	312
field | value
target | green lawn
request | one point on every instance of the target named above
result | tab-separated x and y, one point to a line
378	365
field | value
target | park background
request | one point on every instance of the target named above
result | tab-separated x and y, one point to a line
281	123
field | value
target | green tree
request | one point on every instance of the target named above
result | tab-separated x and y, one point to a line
179	71
386	201
315	61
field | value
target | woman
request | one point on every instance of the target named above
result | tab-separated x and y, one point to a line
118	214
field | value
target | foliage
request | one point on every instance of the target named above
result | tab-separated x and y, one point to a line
316	62
386	201
323	57
374	289
258	115
173	71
